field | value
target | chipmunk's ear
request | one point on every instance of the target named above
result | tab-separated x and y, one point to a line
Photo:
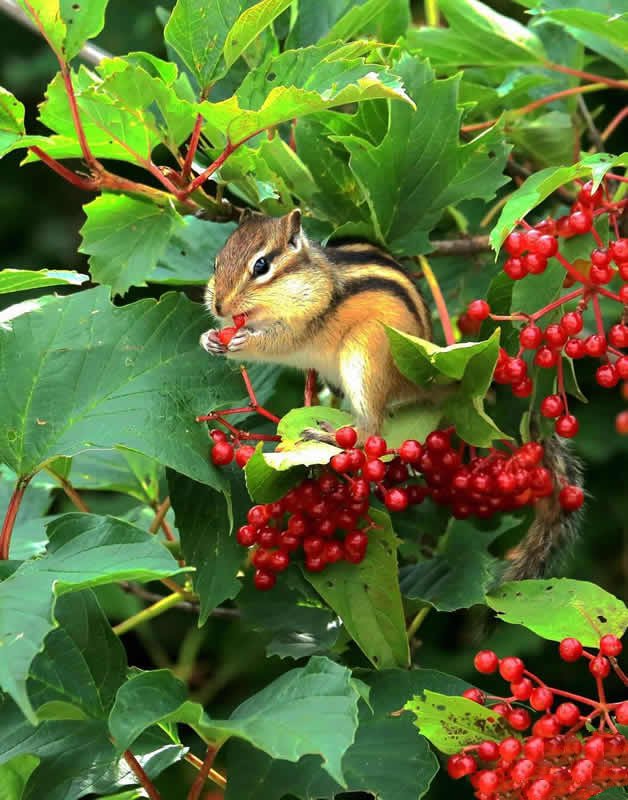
295	235
246	213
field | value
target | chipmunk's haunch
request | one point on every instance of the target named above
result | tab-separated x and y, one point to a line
325	308
317	307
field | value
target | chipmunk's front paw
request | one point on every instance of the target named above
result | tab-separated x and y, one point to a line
211	343
239	340
325	433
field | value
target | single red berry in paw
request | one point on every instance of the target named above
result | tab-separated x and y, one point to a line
530	336
239	321
566	426
571	498
375	446
264	580
570	649
486	662
621	713
478	310
511	669
243	454
541	699
346	437
610	645
619	250
515	243
600	667
552	406
225	335
222	454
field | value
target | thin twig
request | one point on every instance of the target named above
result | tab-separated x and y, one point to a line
214	775
142	777
203	773
160	518
594	134
72	494
586	76
441	306
460	247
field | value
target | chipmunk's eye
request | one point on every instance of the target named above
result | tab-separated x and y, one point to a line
261	267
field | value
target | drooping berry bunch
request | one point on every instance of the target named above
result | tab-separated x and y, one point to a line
603	274
325	519
558	754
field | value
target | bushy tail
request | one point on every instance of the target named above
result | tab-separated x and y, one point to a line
553	531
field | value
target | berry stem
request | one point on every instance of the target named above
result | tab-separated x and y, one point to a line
309	396
577	276
203	773
615	177
11	514
556	304
150	612
160	521
586	76
569	695
597	311
253	398
141	776
192	147
560	380
441	306
612	125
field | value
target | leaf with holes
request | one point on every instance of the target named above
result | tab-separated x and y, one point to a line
587	612
11	121
66	24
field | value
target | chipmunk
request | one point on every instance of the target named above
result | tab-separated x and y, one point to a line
325	308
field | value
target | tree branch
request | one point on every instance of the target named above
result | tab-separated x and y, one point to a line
460	247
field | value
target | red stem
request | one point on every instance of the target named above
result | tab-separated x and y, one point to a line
598	314
192	147
142	777
201	777
10	516
76	119
587	76
310	388
251	393
207	173
577	276
87	184
616	177
584	700
619	671
556	304
617	120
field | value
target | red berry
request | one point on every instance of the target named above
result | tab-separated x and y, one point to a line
600	275
341	462
517	369
226	335
546	358
486	662
522	690
623	294
515	243
555	335
600	257
487	781
621	713
460	765
515	268
539	790
488	751
534	263
534	748
567	714
595	345
546	246
546	727
264	580
563	228
619	250
468	326
610	645
521	772
519	719
243	454
268	537
346	437
511	669
571	323
375	446
541	699
278	561
575	348
581	221
530	336
510	748
289	542
606	376
475	695
566	426
246	535
313	545
218	436
356	540
621	365
571	498
410	451
570	649
315	563
438	441
258	516
374	470
478	310
552	406
222	454
621	423
618	335
582	771
396	499
600	667
588	197
333	552
523	389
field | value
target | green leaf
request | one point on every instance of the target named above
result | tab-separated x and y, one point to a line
562	607
197	30
537	291
82	664
11	121
84	550
300	82
137	375
404	766
21	280
604	33
419	167
451	723
540	185
249	26
463	570
67	24
190	252
14	775
266	483
312	709
477	36
292	425
203	518
366	597
125	237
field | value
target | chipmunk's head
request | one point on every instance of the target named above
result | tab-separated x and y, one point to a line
262	269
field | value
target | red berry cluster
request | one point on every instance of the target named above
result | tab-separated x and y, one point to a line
557	754
223	451
325	519
529	250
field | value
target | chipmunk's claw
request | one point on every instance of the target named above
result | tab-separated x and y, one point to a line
210	342
238	340
325	433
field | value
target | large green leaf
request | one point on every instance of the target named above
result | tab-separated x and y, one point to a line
463	570
419	167
203	518
249	26
312	709
125	237
557	608
67	24
190	252
21	280
85	374
14	775
605	33
541	185
11	120
366	597
387	760
84	550
296	83
451	723
477	36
